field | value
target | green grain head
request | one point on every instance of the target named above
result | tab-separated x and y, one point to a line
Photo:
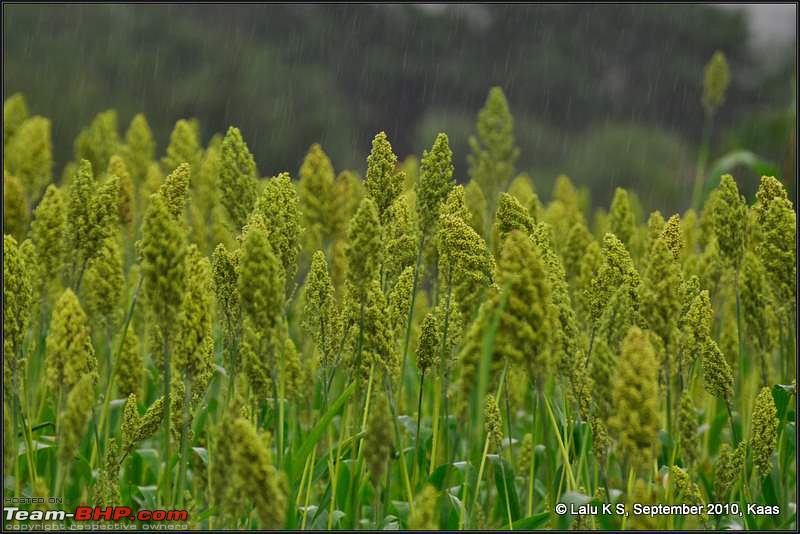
635	399
238	178
184	147
70	355
620	216
764	431
72	420
435	183
384	179
717	373
278	206
364	249
716	78
140	148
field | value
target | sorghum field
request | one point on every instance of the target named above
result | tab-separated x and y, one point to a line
398	350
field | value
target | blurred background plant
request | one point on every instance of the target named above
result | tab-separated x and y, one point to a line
610	94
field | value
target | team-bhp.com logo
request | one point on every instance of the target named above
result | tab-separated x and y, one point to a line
89	513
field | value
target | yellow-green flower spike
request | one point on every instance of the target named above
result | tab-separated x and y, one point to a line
238	178
193	333
15	207
523	334
29	156
673	237
399	299
72	421
621	221
175	189
384	179
225	265
184	147
494	151
103	285
778	252
378	339
768	189
660	292
252	467
690	228
578	240
116	167
98	141
635	399
163	252
70	354
455	204
728	468
130	368
729	220
522	189
319	311
764	432
696	327
716	78
435	182
687	428
47	234
759	315
687	491
477	205
278	205
379	440
364	248
588	268
617	269
467	260
150	422
410	168
17	300
92	213
400	238
106	490
511	215
298	382
717	373
494	423
15	112
316	193
429	344
603	368
257	366
261	278
423	516
140	148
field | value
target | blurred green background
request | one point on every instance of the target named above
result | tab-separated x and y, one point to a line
609	94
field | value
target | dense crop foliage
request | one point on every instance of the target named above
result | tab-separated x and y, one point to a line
398	351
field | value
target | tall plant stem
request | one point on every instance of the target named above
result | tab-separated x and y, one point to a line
730	418
702	159
104	414
401	448
419	421
187	398
165	439
313	457
410	318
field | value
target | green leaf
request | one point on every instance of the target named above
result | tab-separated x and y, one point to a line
531	523
298	458
737	158
501	467
782	394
